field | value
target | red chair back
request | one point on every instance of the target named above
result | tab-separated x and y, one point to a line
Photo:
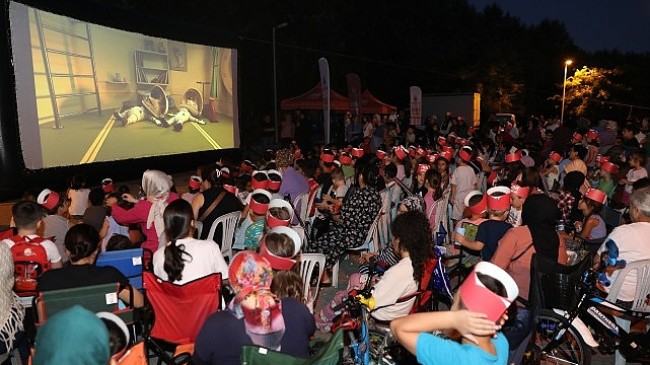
180	310
423	287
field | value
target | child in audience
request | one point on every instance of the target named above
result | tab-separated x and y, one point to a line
476	314
96	213
551	172
78	195
193	186
518	195
118	242
476	203
334	201
606	182
492	230
432	197
592	228
254	214
462	181
56	222
637	171
28	217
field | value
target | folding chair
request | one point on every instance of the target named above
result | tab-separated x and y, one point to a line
229	222
128	262
330	354
95	298
308	262
179	312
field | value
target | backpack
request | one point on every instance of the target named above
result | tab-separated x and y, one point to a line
30	260
434	287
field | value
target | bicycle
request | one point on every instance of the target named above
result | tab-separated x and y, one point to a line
370	343
567	336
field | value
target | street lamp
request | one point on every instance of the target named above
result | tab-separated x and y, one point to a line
566	66
275	84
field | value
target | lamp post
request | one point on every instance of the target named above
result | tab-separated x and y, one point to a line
275	85
566	67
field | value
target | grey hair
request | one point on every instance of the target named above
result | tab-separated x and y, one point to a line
640	198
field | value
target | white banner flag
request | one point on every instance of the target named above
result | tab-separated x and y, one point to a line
416	105
324	68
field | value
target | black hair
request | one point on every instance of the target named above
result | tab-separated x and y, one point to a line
27	214
639	154
30	194
178	216
414	234
368	168
493	284
390	171
82	240
475	199
243	181
116	338
78	182
634	128
433	177
308	166
96	197
118	242
580	150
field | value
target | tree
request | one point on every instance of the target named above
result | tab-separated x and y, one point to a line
587	86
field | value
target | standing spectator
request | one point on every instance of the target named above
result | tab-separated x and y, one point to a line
607	136
378	132
463	180
78	195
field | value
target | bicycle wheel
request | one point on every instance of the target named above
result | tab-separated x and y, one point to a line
571	350
385	350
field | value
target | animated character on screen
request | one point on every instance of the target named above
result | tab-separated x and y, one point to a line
154	107
189	110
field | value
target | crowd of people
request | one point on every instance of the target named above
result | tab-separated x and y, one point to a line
497	193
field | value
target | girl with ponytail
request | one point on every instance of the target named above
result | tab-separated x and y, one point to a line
184	258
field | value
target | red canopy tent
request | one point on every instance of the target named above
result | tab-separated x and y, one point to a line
371	105
313	100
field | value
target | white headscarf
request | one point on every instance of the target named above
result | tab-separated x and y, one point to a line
156	185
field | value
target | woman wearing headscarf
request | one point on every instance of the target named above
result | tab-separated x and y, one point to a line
148	212
11	312
536	235
254	317
514	254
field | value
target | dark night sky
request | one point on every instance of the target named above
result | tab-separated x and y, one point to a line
593	24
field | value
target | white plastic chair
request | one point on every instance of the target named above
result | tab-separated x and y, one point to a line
229	222
642	271
198	226
308	262
301	201
371	243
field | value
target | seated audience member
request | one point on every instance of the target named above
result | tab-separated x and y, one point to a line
148	213
96	213
28	217
11	311
514	253
628	243
118	335
412	241
119	242
254	317
114	228
492	230
185	258
476	314
592	228
637	171
82	245
72	336
357	214
193	187
56	222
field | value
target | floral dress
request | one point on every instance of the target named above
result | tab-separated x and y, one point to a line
358	212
